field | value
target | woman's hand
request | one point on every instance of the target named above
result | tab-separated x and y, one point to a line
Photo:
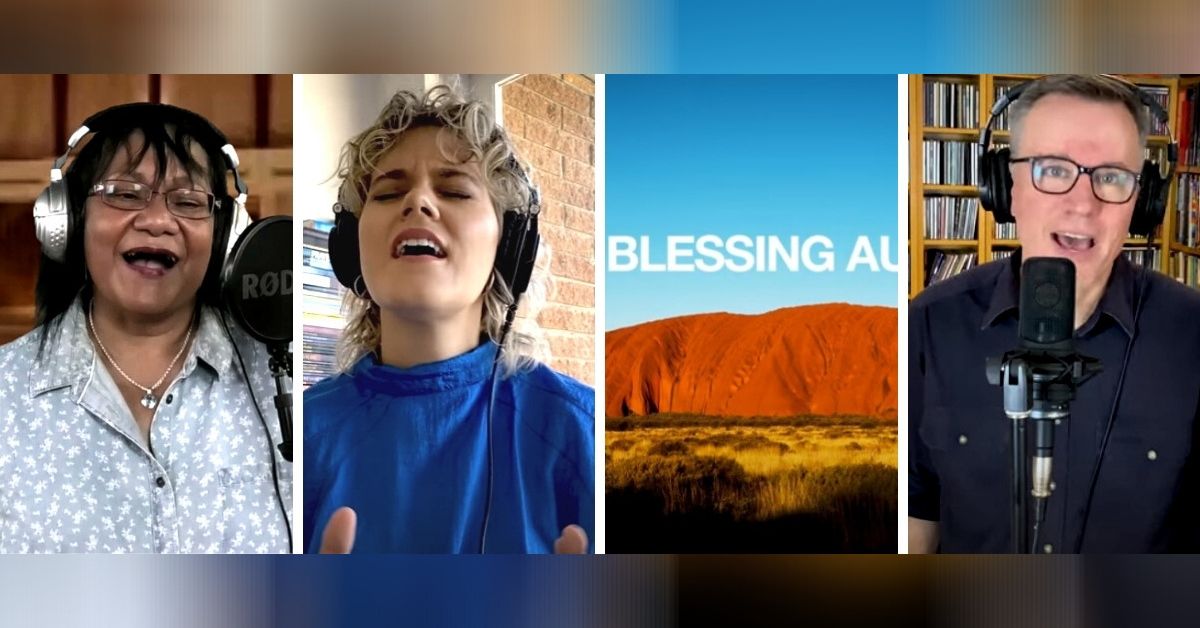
338	537
573	541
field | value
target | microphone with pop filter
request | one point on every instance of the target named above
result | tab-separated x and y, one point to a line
256	285
257	280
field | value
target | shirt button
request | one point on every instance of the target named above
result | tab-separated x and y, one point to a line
170	398
1152	455
161	482
1048	548
962	439
1053	486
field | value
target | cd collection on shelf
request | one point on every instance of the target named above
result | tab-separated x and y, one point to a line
951	105
1005	231
943	264
1189	126
950	162
1161	95
322	304
950	217
1143	256
1186	268
1187	211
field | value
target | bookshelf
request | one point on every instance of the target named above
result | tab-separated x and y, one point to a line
323	320
946	114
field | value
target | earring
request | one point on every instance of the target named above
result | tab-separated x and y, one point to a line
360	288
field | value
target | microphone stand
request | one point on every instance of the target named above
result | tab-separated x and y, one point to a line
1038	384
281	367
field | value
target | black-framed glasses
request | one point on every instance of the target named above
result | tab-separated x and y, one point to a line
1057	175
134	196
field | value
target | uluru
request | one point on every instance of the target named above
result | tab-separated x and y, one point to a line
831	359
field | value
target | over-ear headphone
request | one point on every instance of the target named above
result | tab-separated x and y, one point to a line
995	179
515	255
51	210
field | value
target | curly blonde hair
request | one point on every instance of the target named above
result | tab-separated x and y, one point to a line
485	141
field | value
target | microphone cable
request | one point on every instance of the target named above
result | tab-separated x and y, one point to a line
266	431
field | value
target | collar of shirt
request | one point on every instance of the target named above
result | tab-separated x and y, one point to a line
1117	301
469	368
69	353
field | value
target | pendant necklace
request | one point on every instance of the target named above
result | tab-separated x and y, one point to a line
149	400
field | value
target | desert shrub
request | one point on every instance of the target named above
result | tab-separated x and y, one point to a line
669	448
618	425
621	444
702	484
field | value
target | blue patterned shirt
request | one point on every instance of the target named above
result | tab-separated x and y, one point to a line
76	474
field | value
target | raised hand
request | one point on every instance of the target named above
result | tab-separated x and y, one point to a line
573	541
338	537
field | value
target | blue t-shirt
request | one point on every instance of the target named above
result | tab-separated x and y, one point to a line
407	449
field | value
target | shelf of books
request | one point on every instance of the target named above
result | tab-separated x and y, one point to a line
322	304
1185	245
948	230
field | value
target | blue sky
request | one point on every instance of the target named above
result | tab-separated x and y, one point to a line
771	155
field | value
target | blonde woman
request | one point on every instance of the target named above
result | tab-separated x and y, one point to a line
437	438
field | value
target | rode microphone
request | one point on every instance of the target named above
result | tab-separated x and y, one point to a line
256	284
257	280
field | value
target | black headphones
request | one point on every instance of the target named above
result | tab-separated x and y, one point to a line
515	255
51	209
995	179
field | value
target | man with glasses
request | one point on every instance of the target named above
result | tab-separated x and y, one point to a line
1124	473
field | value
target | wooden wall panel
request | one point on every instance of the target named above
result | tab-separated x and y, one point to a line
89	93
280	129
18	255
26	116
227	100
254	112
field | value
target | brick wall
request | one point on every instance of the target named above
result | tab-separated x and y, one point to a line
552	120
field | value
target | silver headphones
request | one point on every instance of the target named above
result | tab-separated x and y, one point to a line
52	208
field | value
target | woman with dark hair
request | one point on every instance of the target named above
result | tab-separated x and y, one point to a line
132	416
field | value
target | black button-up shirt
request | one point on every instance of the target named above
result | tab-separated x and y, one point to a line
1146	496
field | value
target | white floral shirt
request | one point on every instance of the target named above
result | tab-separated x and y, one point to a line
77	476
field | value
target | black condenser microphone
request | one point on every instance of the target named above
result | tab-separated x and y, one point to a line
1046	324
1047	306
256	285
257	280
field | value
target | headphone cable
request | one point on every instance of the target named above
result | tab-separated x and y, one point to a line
270	443
487	510
1112	416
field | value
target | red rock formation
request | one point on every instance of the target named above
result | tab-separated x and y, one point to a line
823	360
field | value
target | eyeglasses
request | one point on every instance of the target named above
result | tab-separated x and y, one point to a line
134	196
1057	175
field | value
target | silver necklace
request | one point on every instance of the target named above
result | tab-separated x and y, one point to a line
149	400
